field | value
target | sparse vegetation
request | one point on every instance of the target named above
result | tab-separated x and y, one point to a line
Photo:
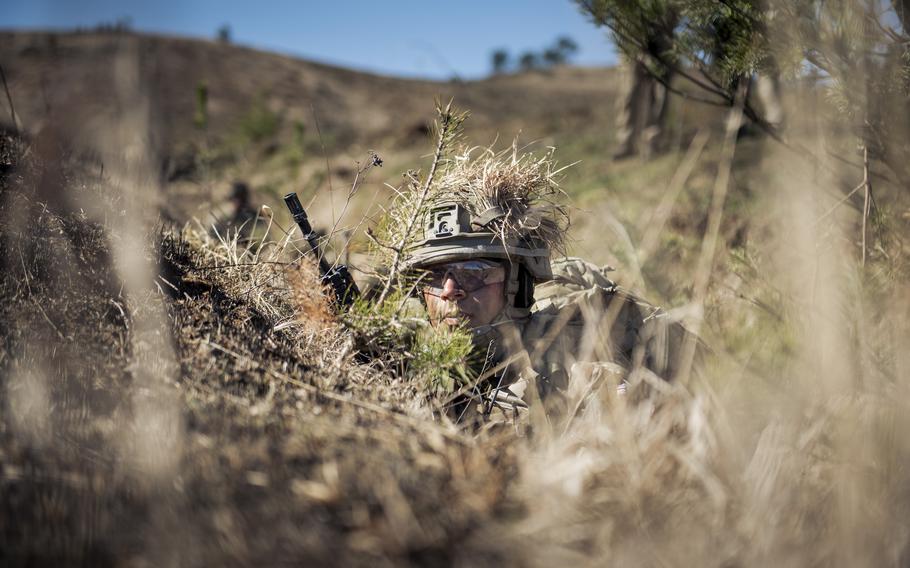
259	122
217	412
499	61
561	52
855	51
224	33
264	404
201	116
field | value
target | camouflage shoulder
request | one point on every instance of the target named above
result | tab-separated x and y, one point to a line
573	278
641	333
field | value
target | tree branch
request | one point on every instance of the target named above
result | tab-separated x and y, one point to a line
447	123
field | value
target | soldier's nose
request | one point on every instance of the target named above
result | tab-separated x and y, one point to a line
451	290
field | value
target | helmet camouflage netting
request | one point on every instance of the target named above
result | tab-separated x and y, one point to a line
488	204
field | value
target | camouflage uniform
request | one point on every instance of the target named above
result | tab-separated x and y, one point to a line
579	322
582	326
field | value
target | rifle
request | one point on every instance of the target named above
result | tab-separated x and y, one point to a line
344	288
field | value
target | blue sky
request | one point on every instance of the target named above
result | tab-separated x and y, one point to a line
399	37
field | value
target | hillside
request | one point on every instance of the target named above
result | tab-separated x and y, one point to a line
71	77
285	124
273	102
173	397
158	424
54	74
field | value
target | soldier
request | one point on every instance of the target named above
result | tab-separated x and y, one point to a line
241	215
483	262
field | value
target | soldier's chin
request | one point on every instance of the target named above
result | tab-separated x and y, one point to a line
452	322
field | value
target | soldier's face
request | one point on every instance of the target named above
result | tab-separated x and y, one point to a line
467	293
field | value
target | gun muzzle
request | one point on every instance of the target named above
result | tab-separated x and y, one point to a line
296	209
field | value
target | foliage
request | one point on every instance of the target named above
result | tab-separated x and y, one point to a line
852	48
386	326
522	184
441	359
224	33
397	337
401	224
201	115
259	122
112	417
561	51
499	60
380	327
529	60
278	445
119	26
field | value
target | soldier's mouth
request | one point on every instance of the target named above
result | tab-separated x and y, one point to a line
456	319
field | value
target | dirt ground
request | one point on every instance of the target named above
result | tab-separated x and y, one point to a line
214	439
166	399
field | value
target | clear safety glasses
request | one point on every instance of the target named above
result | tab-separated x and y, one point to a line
470	275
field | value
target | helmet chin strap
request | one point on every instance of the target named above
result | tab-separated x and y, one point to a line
494	332
485	331
503	335
511	289
510	314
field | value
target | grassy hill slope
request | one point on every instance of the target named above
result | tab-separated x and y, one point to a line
288	124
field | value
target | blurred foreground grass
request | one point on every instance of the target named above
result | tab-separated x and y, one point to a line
215	413
266	440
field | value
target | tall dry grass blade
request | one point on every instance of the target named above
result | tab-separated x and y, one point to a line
867	197
328	168
709	243
840	202
447	123
662	212
9	99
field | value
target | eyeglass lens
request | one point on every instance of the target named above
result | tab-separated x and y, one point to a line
468	279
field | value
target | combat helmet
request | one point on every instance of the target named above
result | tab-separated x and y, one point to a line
497	206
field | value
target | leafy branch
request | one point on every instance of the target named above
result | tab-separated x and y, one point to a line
449	124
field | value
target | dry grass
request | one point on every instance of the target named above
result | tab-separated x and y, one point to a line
221	415
524	186
284	447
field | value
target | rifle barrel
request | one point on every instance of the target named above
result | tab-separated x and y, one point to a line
300	217
343	286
